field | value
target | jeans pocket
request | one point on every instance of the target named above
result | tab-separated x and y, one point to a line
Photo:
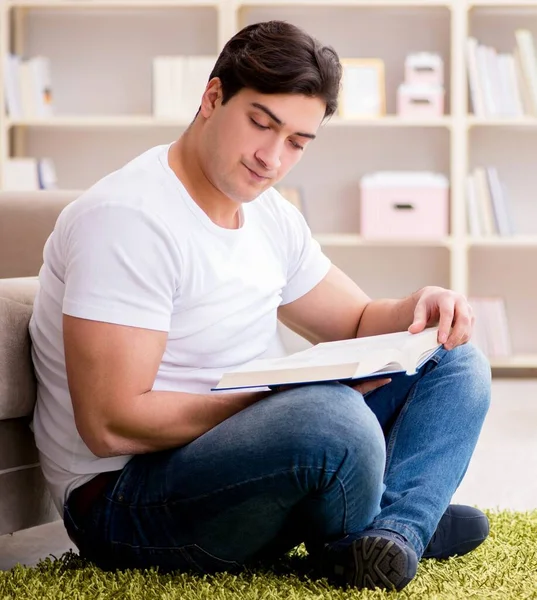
183	558
205	562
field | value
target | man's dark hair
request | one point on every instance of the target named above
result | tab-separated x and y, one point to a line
276	57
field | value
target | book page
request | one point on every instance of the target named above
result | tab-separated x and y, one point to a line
333	361
335	353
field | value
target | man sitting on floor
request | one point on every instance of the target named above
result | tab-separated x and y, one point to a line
176	268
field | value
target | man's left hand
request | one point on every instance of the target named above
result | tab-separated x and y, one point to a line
450	310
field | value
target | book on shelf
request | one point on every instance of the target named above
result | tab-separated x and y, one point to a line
491	328
349	361
178	84
29	174
28	87
488	210
503	84
528	65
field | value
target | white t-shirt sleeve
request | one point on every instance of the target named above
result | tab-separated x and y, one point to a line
121	266
307	264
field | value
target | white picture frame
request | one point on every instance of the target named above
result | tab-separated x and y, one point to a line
363	88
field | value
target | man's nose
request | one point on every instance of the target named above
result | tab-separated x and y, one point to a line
270	156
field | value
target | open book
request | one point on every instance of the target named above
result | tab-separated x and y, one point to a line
359	359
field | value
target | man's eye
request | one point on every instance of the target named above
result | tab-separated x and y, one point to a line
258	125
296	145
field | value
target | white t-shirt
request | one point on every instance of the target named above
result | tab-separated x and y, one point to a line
136	250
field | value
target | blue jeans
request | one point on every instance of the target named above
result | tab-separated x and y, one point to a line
311	464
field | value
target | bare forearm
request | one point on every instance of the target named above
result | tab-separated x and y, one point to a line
160	420
387	316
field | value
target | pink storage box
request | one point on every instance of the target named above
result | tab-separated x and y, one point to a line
424	68
422	101
404	205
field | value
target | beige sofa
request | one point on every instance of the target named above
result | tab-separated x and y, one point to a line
26	221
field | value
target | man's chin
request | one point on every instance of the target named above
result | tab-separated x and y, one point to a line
245	198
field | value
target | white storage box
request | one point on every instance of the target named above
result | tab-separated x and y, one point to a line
421	101
424	68
404	205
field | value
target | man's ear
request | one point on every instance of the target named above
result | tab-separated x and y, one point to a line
212	96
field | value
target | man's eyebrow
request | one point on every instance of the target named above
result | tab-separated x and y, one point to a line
279	122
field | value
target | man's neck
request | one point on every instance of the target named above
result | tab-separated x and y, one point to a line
184	160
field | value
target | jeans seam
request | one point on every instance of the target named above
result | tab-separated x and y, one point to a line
345	507
171	503
396	426
175	549
395	429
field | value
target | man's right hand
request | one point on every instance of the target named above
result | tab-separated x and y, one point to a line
369	386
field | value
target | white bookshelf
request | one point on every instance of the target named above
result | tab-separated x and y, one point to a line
518	241
349	239
528	122
143	121
108	4
99	121
102	94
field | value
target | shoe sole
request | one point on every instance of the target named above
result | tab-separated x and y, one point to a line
373	563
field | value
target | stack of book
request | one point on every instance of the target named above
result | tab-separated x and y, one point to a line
27	87
491	330
178	85
487	207
28	174
503	84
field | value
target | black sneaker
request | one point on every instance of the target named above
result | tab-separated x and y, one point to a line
460	530
373	559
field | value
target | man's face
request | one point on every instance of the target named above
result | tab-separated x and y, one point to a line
251	142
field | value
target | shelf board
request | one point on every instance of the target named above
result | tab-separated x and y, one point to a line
134	121
98	122
390	121
39	194
111	3
336	3
503	3
516	361
501	121
350	239
496	241
518	365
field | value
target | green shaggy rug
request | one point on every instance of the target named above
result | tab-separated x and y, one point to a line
504	567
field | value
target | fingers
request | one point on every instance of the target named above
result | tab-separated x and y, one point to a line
446	308
452	311
462	325
420	318
369	386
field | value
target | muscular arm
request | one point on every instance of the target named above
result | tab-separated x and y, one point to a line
387	316
338	309
111	370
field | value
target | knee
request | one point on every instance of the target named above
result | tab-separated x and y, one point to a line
472	369
334	421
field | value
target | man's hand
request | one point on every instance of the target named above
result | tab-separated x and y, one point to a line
369	386
450	310
363	388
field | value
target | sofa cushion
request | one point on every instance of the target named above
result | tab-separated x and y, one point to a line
17	378
17	445
25	500
26	221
